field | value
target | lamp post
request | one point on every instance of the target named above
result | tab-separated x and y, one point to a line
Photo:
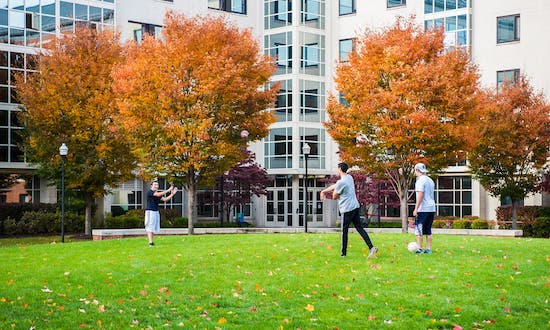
306	149
63	150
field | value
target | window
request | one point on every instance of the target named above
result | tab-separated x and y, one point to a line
396	3
507	77
453	196
507	28
312	47
278	14
128	196
310	55
311	9
232	6
313	13
312	101
315	138
139	30
346	46
278	148
279	46
283	54
347	7
283	103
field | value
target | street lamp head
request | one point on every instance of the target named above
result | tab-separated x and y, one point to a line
306	149
63	150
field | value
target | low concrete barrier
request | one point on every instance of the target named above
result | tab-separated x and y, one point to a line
101	234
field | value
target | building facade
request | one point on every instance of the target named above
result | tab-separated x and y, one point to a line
307	38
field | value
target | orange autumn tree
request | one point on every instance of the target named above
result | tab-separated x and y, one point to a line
511	142
406	97
70	100
187	97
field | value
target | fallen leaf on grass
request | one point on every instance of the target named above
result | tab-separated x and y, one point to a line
309	308
222	320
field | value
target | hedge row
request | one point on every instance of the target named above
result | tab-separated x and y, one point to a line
33	223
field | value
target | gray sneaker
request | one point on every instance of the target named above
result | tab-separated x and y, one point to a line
372	252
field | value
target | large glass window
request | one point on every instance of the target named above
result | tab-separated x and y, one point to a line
346	46
453	196
346	7
278	148
278	13
17	188
507	77
280	46
312	54
312	101
508	28
315	137
313	13
283	104
232	6
139	30
127	196
395	3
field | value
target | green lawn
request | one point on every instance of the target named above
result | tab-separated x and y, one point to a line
276	281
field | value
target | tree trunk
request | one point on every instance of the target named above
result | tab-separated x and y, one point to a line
88	214
514	214
404	211
190	208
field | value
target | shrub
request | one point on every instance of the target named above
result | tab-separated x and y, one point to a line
541	227
15	211
448	221
461	224
480	224
178	222
524	213
544	212
39	222
439	224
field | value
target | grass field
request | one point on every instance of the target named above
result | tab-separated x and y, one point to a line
275	281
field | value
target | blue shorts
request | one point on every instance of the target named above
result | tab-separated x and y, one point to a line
423	223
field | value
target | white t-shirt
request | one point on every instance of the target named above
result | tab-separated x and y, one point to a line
426	184
347	201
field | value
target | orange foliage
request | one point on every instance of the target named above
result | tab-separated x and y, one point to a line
186	98
70	100
408	97
510	143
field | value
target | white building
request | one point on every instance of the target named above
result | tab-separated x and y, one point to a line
308	37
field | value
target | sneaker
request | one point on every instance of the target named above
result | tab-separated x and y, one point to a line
343	256
419	251
428	251
151	244
372	252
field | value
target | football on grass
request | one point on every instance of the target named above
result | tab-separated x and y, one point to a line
412	246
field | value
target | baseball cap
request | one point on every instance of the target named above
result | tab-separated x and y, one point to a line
421	167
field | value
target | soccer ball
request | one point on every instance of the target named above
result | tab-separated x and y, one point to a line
412	247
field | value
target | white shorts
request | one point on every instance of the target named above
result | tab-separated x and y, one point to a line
152	221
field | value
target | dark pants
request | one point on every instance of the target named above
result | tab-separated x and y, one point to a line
349	218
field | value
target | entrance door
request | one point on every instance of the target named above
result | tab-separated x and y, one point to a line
279	207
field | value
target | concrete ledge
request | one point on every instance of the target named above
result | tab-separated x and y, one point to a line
101	234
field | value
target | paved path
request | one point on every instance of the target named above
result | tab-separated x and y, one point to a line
101	234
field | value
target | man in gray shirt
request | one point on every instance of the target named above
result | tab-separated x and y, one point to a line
344	191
